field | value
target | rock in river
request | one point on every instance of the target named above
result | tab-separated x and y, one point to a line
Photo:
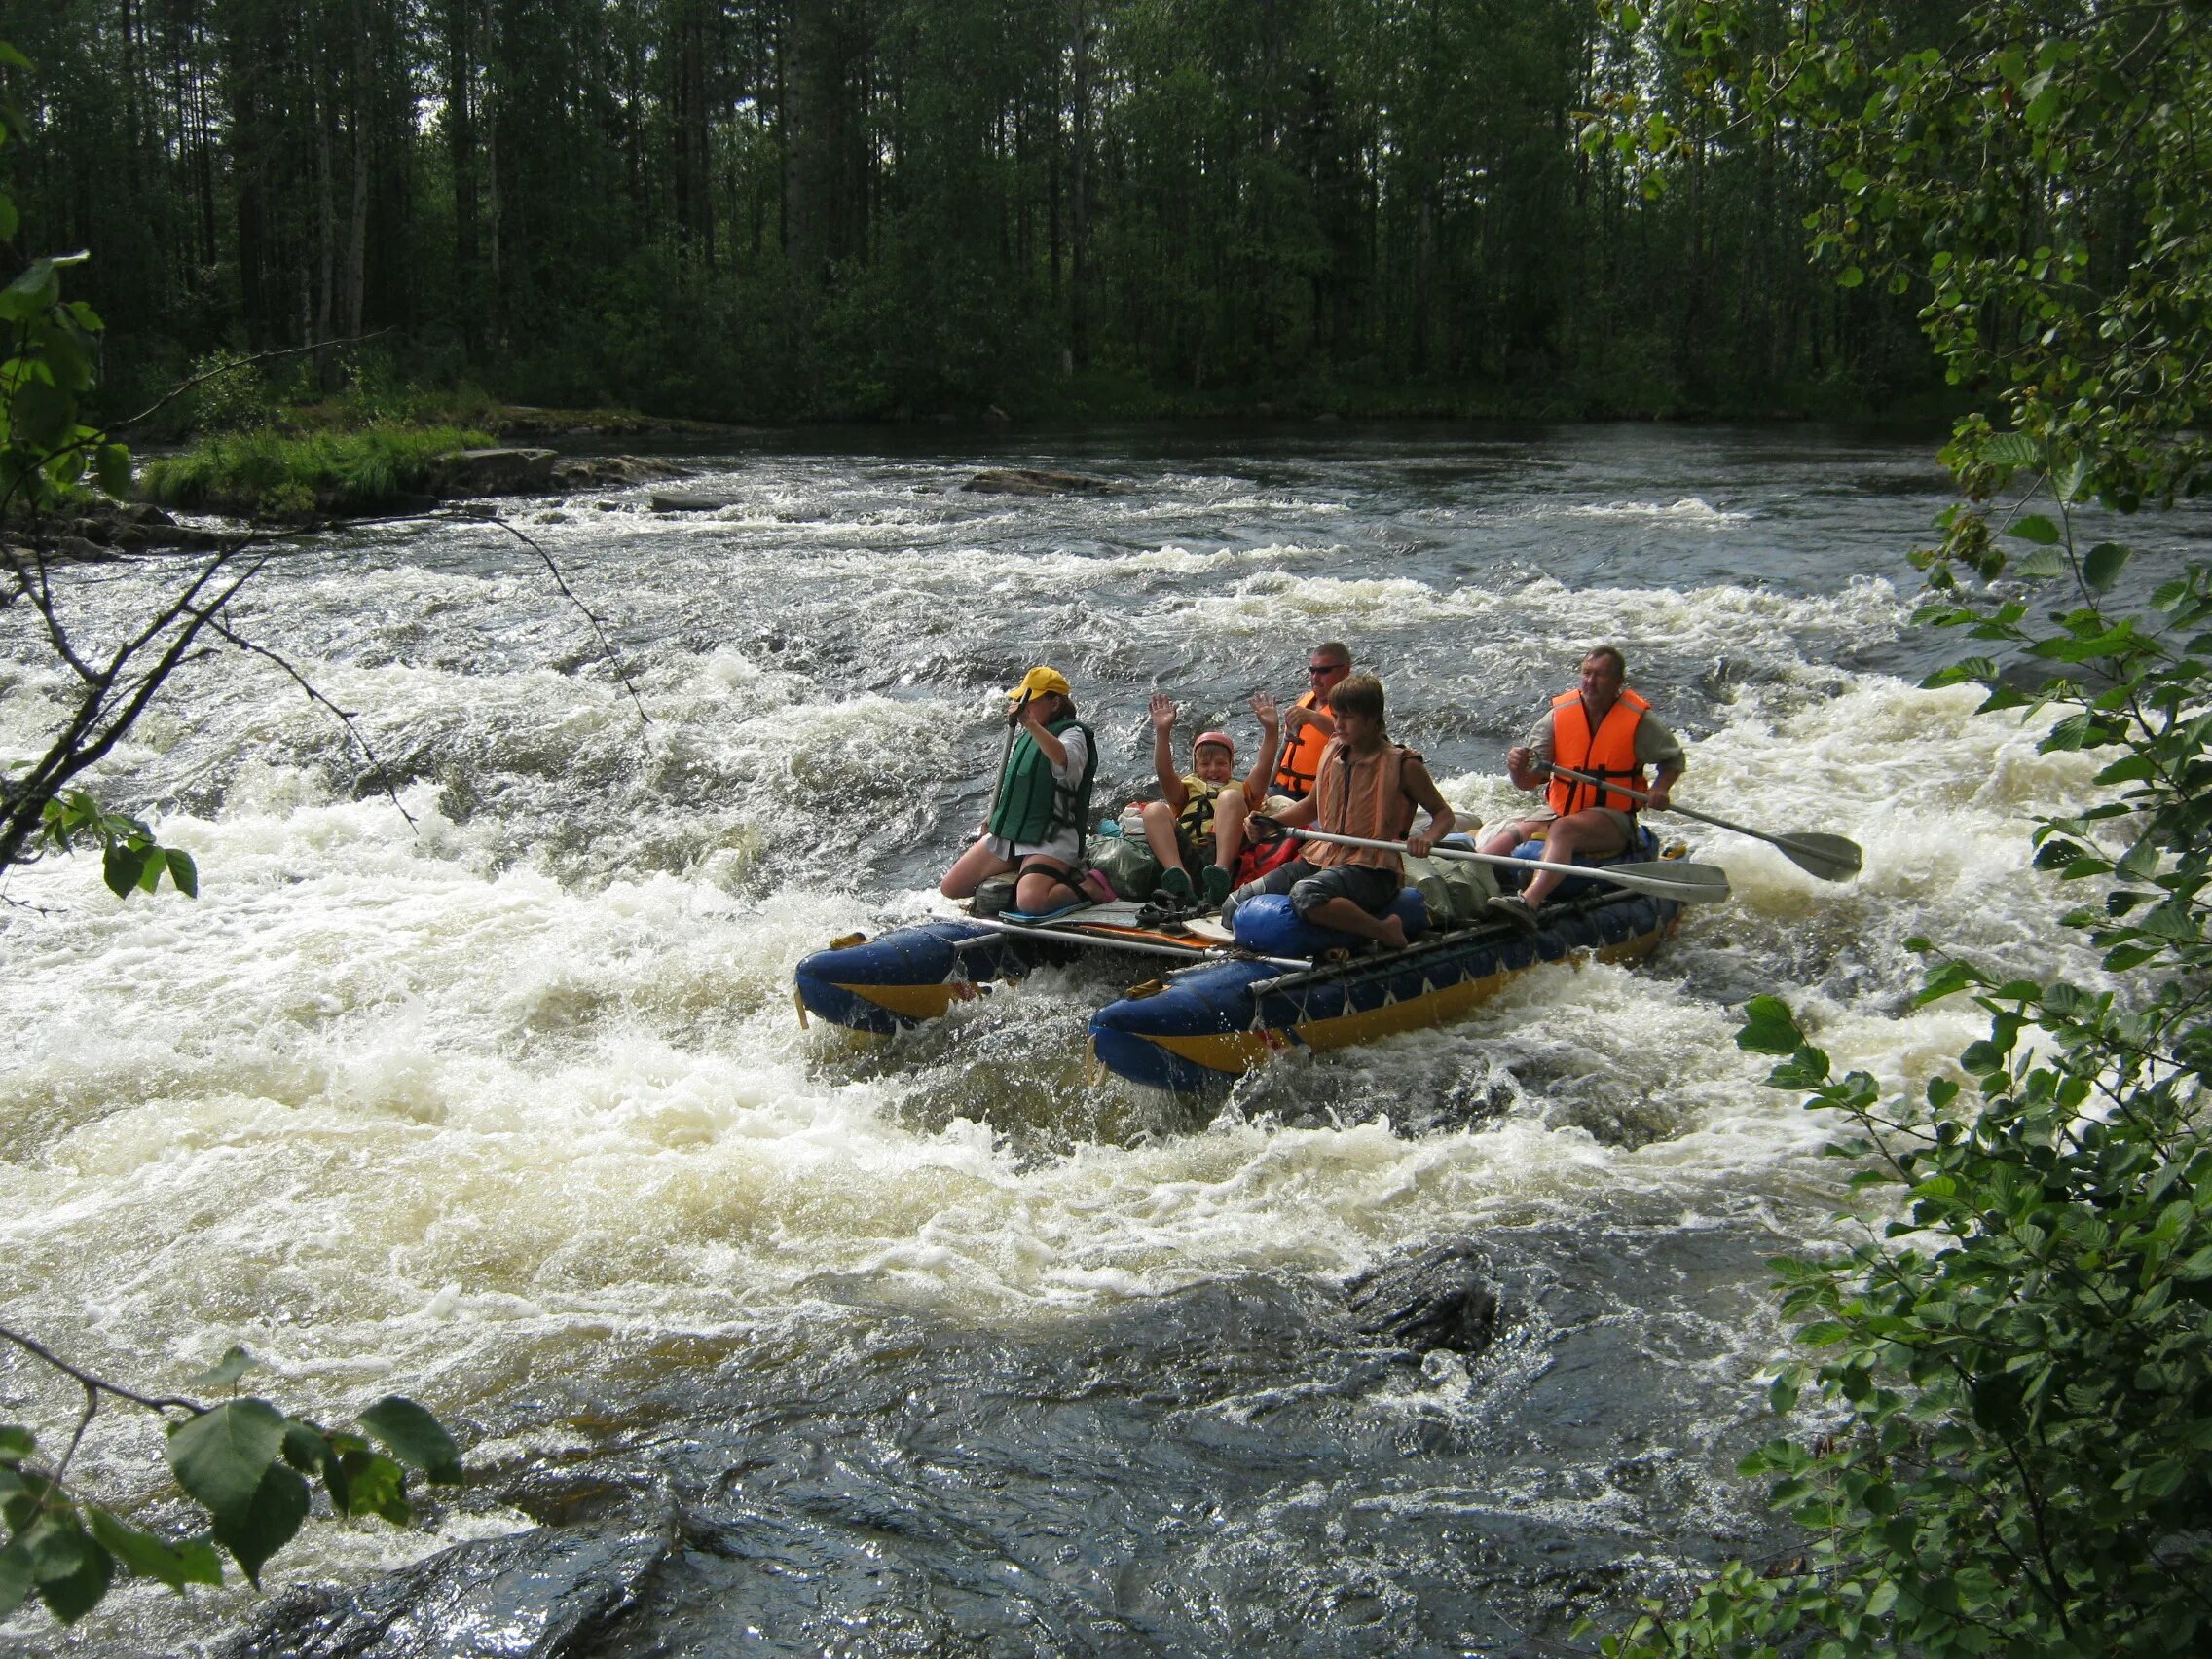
495	472
537	1593
1437	1297
1029	481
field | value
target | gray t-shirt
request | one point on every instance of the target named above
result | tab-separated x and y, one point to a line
1655	745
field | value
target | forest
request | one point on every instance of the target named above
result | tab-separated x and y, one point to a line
908	209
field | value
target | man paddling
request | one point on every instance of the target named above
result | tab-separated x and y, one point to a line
1364	785
1603	728
1043	804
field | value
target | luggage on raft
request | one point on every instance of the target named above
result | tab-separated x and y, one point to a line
1269	925
1127	863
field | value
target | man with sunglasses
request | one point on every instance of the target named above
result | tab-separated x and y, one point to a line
1306	725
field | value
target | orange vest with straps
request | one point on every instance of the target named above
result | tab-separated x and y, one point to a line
1609	752
1301	762
1363	797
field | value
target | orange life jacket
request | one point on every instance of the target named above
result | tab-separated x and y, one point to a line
1363	797
1609	754
1301	762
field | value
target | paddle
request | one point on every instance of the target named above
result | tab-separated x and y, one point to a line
1667	878
1831	857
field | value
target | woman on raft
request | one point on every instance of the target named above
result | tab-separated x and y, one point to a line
1042	802
1197	828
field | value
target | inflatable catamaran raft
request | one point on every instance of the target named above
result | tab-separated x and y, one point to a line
1222	1003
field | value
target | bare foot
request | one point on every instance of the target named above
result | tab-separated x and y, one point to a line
1392	935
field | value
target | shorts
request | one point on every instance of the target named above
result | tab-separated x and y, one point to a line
1309	887
1624	822
1066	847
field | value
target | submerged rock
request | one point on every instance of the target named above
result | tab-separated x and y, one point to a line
495	472
539	1593
1436	1297
598	471
1030	481
690	502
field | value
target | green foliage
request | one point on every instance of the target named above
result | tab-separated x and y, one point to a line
277	475
230	394
2018	1360
46	451
249	1465
131	860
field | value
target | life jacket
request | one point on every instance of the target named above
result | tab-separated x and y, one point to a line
1608	754
1361	797
1301	762
1194	825
1033	806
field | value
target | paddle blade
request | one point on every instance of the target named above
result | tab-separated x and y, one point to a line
1683	882
1831	857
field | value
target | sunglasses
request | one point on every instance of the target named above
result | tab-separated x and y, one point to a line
1328	667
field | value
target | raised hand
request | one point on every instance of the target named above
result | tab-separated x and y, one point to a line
1162	712
1264	706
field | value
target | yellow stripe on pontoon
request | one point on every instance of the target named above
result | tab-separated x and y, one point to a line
1240	1050
910	1002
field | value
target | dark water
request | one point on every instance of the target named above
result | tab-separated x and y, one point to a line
789	1344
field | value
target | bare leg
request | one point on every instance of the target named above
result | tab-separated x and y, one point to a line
1506	837
1346	917
972	869
1046	885
1229	827
1585	833
1159	834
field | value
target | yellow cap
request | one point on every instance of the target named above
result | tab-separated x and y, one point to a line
1040	682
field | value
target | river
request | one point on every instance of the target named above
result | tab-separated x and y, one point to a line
473	1072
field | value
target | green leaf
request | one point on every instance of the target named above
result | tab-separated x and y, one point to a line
16	1443
2040	565
235	1364
1769	1028
222	1455
1850	276
150	1557
2163	1478
265	1523
123	867
415	1437
16	1577
2011	449
2035	528
72	1572
371	1483
42	413
183	871
305	1447
2102	568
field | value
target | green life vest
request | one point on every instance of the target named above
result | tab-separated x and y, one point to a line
1032	806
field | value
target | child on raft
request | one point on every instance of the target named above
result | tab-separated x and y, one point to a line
1367	786
1197	828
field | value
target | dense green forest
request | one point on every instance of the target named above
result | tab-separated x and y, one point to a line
773	209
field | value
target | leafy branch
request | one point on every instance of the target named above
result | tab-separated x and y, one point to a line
249	1465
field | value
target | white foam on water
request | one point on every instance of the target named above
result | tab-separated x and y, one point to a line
1546	622
1683	510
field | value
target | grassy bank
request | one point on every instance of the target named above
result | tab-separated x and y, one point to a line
269	474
